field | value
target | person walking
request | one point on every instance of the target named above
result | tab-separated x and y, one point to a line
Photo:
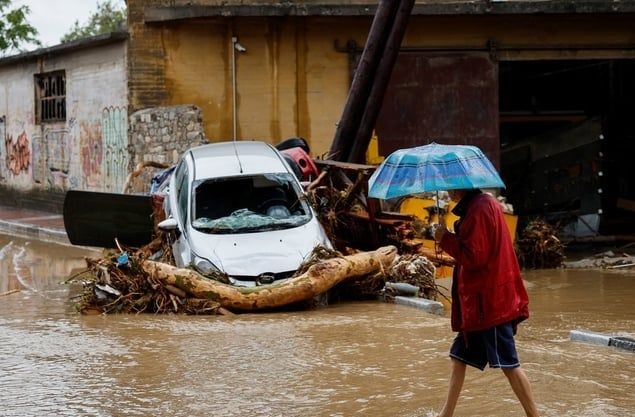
489	298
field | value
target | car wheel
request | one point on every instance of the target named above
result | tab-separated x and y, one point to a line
298	142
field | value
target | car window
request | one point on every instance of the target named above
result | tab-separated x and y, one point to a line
249	204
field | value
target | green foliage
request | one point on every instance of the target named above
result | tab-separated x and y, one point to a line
14	28
107	18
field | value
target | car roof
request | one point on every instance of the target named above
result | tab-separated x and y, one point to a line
225	159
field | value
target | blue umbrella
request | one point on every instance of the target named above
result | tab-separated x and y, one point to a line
432	167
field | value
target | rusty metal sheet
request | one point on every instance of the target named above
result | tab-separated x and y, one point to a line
448	98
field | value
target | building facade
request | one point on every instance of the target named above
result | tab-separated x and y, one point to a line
507	76
63	120
545	88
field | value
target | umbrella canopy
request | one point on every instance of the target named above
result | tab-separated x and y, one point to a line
432	167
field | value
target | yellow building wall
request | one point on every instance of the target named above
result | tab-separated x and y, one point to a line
292	80
196	72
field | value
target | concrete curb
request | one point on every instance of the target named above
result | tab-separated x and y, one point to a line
28	231
602	339
589	337
429	306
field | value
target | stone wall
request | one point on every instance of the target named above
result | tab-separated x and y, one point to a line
162	134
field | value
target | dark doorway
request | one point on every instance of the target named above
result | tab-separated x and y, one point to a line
567	142
449	98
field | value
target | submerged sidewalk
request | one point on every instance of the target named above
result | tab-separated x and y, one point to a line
33	224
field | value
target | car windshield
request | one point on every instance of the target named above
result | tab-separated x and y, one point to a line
248	204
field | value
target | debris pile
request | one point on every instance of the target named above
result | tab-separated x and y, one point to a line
132	284
352	220
148	281
415	270
118	284
538	246
604	260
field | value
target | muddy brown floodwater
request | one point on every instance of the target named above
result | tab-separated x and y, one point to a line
348	359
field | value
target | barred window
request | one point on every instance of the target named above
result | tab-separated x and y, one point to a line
50	97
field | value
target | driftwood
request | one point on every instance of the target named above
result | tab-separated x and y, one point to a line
133	284
138	170
318	279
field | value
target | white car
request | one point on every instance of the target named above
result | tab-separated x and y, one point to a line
237	207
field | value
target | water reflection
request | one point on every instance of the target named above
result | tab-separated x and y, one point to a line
352	359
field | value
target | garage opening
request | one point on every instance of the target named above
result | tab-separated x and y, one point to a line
568	141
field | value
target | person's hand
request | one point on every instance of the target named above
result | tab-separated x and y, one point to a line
439	232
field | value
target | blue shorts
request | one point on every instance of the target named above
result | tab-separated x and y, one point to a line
494	346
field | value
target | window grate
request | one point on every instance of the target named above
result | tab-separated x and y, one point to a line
50	94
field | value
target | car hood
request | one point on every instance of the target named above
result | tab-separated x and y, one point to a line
251	254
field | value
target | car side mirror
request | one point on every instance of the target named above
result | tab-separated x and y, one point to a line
168	224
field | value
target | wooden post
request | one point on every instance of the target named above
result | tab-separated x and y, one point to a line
363	80
382	78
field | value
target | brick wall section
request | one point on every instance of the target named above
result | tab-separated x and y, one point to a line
162	134
146	59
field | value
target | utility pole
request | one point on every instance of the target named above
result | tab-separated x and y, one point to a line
363	80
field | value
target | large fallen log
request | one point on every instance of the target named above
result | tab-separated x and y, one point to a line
318	279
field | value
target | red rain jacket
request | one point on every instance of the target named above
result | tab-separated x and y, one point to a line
487	287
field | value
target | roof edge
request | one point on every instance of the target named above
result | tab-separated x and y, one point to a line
101	39
478	7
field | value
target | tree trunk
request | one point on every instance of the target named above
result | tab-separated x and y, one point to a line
318	279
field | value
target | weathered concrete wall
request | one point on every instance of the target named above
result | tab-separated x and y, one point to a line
89	150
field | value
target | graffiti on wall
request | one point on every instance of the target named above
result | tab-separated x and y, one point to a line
3	136
57	143
18	157
91	153
85	154
114	129
95	156
37	159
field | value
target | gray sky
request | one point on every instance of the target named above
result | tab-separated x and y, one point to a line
53	18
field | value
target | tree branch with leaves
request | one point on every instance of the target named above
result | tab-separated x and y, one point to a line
107	18
15	30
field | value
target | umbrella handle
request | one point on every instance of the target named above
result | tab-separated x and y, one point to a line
437	248
440	216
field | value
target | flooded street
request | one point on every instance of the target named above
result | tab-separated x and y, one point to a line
349	359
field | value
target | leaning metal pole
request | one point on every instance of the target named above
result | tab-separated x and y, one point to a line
381	80
363	80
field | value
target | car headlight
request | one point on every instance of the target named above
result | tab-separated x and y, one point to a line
204	266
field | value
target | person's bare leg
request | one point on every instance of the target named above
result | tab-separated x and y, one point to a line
457	377
520	384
